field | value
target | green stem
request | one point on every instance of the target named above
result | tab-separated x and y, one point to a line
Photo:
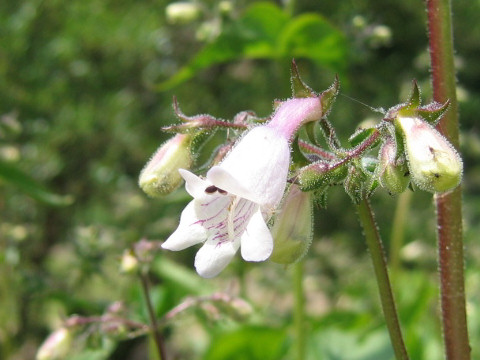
377	254
398	230
157	336
299	315
448	206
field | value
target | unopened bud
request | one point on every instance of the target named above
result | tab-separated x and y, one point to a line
182	12
434	164
393	170
320	175
381	36
160	176
129	262
225	7
355	183
56	346
293	229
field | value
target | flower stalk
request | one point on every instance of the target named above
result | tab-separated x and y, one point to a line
448	206
157	336
299	310
377	254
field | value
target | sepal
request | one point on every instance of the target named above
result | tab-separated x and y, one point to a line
293	228
299	88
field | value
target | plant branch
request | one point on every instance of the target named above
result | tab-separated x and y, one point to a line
377	254
448	206
398	230
299	315
157	336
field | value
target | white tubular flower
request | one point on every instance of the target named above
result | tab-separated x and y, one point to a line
232	205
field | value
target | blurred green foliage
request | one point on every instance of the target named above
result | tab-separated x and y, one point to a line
86	86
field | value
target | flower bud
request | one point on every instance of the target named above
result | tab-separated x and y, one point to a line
182	12
129	263
434	164
56	346
320	175
392	171
160	176
355	183
293	229
225	7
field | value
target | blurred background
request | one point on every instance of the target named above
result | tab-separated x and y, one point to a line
85	87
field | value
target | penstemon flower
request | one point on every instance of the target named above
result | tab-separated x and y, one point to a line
233	203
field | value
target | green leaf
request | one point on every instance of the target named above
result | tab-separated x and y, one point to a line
312	37
12	175
181	276
266	32
353	345
248	343
253	36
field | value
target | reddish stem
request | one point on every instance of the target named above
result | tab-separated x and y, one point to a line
449	206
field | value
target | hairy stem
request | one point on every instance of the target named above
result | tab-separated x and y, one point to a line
377	254
157	336
448	206
398	230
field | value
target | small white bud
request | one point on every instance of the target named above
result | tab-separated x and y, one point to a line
56	346
182	12
434	164
160	176
129	263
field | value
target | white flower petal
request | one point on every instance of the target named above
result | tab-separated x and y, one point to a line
213	257
194	185
224	180
257	167
189	231
212	209
257	242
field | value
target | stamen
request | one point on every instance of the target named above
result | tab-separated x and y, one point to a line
231	217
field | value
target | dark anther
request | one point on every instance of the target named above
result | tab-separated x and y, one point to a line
211	189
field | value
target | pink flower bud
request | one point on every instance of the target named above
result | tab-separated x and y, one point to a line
392	170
